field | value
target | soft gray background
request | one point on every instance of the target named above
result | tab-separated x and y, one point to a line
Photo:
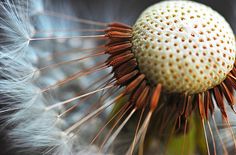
128	10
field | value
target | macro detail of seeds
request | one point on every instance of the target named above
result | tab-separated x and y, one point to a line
186	46
161	82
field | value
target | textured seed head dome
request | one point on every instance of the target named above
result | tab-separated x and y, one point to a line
184	45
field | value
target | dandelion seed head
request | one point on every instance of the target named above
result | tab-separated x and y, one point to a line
73	86
186	46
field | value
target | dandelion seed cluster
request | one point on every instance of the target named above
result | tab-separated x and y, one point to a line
72	86
186	46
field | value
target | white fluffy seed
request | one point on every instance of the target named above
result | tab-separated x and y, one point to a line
186	46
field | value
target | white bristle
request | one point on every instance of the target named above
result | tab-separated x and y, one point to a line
23	104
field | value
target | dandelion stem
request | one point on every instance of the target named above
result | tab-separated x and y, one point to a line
52	31
78	97
212	137
113	127
76	75
203	125
74	51
143	134
109	121
115	134
131	149
70	61
68	37
86	118
218	133
231	131
77	104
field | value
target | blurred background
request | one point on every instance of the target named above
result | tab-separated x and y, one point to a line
126	11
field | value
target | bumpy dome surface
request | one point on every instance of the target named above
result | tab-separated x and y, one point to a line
184	45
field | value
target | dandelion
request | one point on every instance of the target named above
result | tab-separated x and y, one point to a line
74	86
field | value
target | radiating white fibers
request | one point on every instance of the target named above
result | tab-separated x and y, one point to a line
23	104
15	28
